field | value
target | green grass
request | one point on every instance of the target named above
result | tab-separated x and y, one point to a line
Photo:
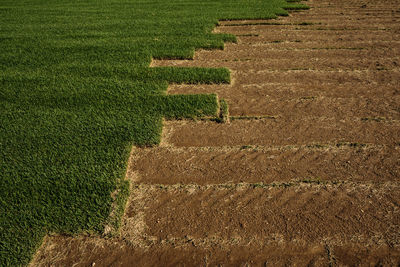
76	92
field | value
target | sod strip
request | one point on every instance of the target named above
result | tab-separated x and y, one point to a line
76	92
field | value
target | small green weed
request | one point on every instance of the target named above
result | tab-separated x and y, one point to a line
306	23
376	119
351	144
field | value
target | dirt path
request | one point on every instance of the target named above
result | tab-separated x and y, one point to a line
306	173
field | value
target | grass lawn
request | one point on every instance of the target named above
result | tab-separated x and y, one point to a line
76	92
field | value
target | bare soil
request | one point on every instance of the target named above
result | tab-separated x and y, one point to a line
305	174
267	164
282	132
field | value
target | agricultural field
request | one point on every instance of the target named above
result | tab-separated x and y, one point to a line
303	171
77	91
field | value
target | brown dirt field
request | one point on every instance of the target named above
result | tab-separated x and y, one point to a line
281	132
266	164
306	173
